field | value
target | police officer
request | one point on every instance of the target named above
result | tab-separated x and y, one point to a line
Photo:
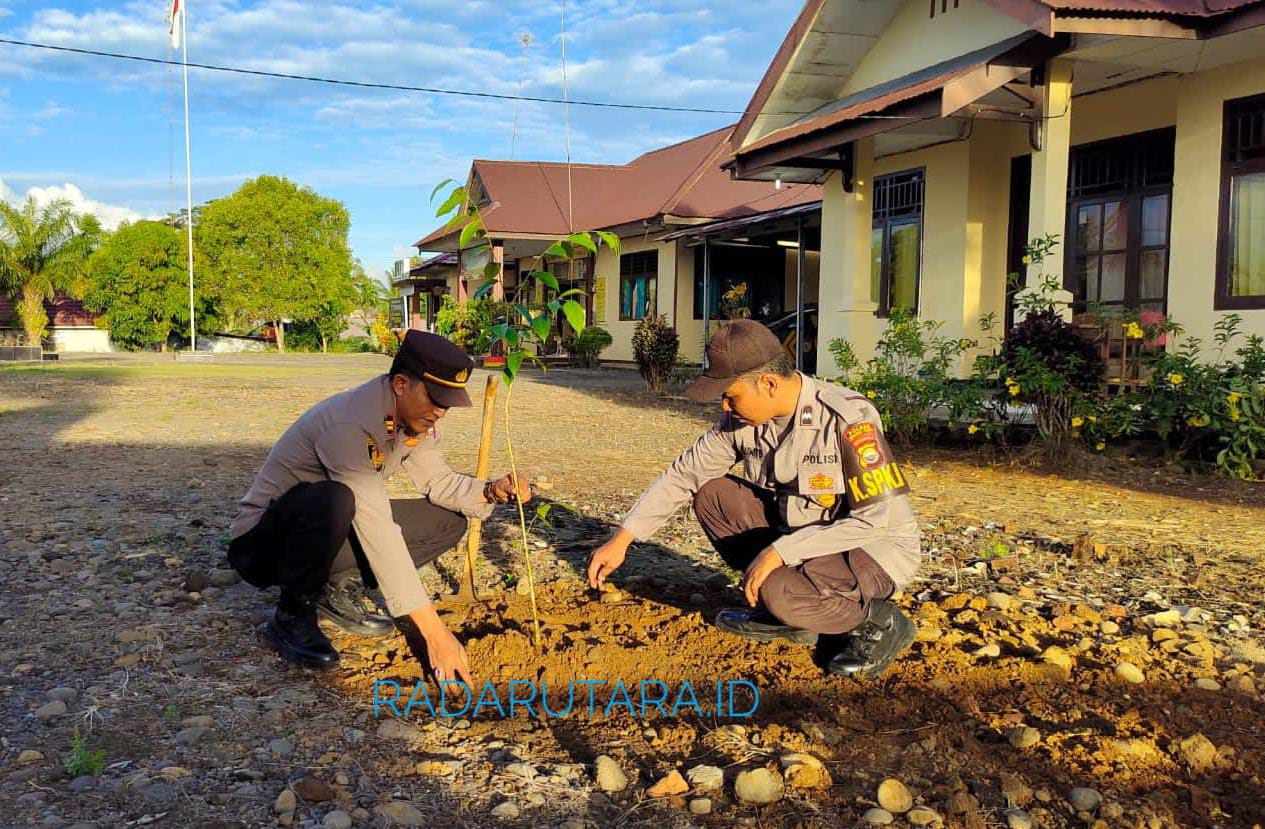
821	520
317	520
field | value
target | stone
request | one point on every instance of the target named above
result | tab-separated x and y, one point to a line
961	803
999	601
1108	629
1023	736
224	578
804	771
992	650
608	775
196	582
337	819
1128	672
758	786
670	785
1163	619
1198	752
878	817
1054	655
158	793
894	796
922	816
82	783
285	802
700	806
523	770
1084	800
170	773
281	747
1203	684
706	778
63	694
29	756
198	721
313	790
50	710
506	811
402	814
1018	819
1016	792
191	736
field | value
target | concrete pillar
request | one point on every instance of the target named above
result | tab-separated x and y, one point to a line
1047	205
498	256
846	309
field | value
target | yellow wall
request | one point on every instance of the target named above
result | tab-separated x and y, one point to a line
914	40
608	266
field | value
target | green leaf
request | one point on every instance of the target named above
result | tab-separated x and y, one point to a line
540	326
571	292
610	239
439	187
584	240
553	306
545	278
575	314
492	270
522	311
513	361
559	249
484	290
470	231
451	203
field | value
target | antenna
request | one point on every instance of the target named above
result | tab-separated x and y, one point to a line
525	38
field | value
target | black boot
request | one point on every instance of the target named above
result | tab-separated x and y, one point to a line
293	631
875	643
347	603
761	626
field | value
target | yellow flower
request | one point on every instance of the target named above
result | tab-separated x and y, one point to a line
1093	419
1100	446
1198	421
1176	378
1078	421
870	394
972	429
1233	398
1235	414
1014	390
1133	331
1027	260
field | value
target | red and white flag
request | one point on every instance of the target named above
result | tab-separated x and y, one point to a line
177	9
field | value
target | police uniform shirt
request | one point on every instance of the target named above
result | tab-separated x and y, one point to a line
836	484
352	438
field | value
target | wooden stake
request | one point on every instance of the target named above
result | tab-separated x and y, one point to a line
474	535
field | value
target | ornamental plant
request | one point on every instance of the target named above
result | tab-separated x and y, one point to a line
516	328
655	345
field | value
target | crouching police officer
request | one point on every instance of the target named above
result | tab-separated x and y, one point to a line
317	520
821	520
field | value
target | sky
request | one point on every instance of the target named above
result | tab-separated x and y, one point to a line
109	134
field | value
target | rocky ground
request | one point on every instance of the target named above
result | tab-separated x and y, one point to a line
1089	650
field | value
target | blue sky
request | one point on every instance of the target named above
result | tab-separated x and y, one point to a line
109	134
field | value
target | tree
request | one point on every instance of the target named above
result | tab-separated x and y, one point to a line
275	251
138	280
43	250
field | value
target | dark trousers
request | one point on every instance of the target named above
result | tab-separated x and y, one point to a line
827	594
305	538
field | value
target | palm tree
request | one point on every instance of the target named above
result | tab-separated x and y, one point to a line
43	250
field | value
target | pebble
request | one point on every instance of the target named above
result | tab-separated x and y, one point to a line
281	747
1130	673
29	756
191	736
83	783
922	816
63	694
285	802
506	811
990	651
1054	655
706	778
1206	684
50	710
337	819
313	790
159	793
609	776
894	796
878	817
758	786
1023	736
1198	751
804	771
1110	629
670	785
701	806
405	814
1163	619
1084	800
1018	819
999	601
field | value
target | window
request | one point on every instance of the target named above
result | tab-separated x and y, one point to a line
638	284
1241	237
1119	196
896	241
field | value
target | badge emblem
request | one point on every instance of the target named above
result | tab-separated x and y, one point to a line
806	417
821	481
827	500
375	454
863	437
462	376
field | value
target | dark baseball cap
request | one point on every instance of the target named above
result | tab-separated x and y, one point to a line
437	362
739	347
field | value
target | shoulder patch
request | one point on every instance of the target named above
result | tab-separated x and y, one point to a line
375	454
871	473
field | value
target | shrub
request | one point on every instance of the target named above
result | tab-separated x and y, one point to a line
590	343
352	345
386	340
464	322
655	344
82	761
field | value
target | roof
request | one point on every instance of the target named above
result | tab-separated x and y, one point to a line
683	181
63	312
728	225
1183	8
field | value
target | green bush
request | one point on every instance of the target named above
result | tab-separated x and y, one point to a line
655	345
352	345
82	761
588	345
464	321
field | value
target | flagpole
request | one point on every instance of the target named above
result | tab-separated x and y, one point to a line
188	165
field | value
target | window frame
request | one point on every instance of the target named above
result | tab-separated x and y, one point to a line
886	223
1231	168
648	275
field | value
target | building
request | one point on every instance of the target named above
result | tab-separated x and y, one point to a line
71	327
947	133
527	205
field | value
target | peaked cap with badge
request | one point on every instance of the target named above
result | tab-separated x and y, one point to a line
440	364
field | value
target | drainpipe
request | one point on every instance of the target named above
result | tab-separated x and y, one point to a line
707	311
799	295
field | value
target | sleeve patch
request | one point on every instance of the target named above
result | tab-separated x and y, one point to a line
872	474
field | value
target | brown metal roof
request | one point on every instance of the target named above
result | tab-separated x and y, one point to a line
683	180
1185	8
728	225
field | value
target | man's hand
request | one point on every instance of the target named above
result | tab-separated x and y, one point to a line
447	656
606	559
759	570
503	490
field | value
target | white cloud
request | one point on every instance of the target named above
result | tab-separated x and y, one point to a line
51	110
110	215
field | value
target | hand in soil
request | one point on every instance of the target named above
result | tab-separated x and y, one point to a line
764	564
446	655
503	490
608	558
